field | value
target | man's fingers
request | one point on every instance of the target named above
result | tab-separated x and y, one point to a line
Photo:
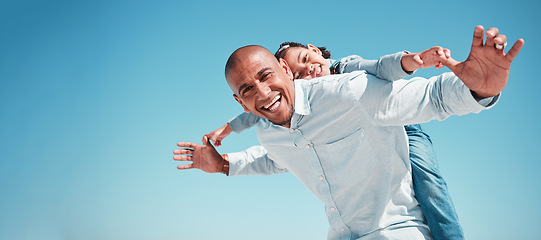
491	33
206	142
182	151
450	63
500	39
478	35
184	167
513	52
183	158
208	135
188	145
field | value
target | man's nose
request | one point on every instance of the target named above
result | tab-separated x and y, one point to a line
263	90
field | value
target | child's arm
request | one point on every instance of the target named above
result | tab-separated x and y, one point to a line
237	124
394	66
388	67
219	134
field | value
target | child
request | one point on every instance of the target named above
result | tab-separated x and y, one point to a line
307	62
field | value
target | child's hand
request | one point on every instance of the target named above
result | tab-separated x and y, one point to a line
432	57
219	134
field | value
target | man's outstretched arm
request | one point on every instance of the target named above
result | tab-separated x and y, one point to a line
486	70
252	161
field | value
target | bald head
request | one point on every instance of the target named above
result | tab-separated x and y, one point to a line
249	52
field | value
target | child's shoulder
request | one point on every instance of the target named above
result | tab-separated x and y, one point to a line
350	58
330	80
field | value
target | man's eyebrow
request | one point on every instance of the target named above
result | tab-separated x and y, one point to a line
258	75
299	57
243	86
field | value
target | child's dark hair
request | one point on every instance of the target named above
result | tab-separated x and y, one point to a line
284	47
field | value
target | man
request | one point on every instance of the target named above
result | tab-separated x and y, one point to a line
343	136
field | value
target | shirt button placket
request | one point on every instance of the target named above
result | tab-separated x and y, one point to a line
299	140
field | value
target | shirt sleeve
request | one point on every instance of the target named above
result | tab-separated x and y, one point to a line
243	121
252	161
388	67
417	100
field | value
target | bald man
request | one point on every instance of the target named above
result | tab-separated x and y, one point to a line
342	136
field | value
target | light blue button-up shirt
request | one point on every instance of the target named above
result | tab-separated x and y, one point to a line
348	146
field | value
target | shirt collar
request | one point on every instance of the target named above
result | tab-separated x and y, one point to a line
302	105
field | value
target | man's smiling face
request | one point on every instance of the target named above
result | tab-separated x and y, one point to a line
261	84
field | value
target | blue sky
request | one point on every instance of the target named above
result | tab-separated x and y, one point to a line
94	96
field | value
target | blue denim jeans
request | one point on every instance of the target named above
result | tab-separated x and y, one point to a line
430	188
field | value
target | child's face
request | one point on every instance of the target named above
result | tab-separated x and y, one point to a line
307	63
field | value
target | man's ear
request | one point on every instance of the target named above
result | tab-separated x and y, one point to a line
314	49
285	66
241	103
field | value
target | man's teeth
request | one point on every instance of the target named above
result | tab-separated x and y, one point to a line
272	103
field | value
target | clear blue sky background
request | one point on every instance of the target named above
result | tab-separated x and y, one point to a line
94	96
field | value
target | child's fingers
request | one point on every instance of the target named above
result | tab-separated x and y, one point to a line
447	53
417	60
213	139
218	141
440	52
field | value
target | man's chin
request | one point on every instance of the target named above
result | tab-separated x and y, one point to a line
284	121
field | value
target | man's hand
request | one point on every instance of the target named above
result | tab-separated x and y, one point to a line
202	157
219	134
486	70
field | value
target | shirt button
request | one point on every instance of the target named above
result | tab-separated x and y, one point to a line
342	229
321	178
292	130
332	209
307	146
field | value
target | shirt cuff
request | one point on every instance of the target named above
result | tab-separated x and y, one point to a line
235	159
486	102
409	73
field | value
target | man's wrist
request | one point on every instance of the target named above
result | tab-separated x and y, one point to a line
225	166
